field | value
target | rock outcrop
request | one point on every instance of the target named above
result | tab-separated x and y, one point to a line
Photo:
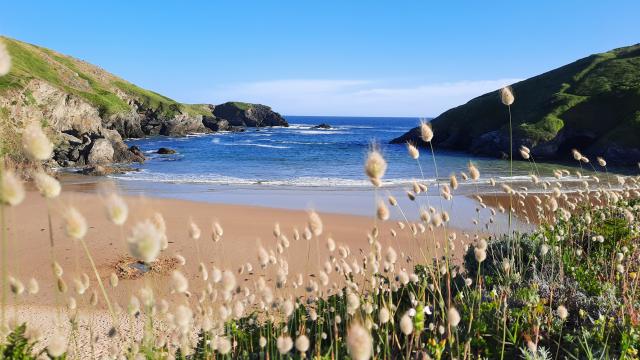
87	112
251	115
592	105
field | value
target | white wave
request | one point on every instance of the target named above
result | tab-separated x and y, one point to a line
320	132
257	145
215	179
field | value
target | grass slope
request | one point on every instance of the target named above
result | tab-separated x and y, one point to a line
77	77
599	94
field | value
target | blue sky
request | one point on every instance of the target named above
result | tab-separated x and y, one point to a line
303	57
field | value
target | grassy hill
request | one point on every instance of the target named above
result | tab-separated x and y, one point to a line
79	103
78	77
592	104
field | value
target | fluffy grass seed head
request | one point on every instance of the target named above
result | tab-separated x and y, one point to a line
562	312
302	343
382	211
35	143
284	344
315	223
75	223
413	151
145	241
179	282
406	324
375	166
453	317
117	210
359	342
426	132
474	173
11	189
506	96
47	185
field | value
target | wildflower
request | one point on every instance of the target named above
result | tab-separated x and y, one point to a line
11	189
183	318
602	162
406	325
5	60
506	96
562	312
315	223
359	342
75	223
262	342
263	257
284	344
375	166
145	241
47	185
453	317
117	210
620	268
426	133
302	343
524	153
35	142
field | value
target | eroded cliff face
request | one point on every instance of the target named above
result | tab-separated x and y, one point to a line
83	137
87	111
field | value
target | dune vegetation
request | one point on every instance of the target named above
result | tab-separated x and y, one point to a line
568	290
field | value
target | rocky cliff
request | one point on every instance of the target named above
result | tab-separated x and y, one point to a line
87	112
592	104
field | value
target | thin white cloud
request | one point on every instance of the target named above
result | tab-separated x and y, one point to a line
356	97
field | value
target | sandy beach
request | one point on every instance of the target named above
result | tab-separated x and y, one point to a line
245	228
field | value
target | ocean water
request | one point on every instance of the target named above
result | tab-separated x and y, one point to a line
299	156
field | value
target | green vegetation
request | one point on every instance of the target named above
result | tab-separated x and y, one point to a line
241	105
87	81
598	95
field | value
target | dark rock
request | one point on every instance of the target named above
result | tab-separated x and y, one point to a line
165	151
102	170
250	115
215	124
236	129
322	126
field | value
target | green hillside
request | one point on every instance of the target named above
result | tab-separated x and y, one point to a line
77	77
592	104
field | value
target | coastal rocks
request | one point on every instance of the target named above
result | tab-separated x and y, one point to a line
165	151
323	126
101	152
182	125
103	170
215	124
249	115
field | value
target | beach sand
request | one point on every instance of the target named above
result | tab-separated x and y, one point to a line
245	228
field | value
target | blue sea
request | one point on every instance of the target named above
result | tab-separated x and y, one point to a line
299	156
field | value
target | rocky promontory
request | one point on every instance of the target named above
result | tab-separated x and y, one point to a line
87	112
592	104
